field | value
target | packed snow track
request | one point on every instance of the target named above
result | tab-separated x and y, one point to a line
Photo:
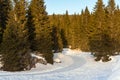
73	67
77	62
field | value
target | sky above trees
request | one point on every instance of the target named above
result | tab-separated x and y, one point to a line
73	6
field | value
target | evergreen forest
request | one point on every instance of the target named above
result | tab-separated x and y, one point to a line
26	27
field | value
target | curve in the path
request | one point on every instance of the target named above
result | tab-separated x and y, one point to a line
77	63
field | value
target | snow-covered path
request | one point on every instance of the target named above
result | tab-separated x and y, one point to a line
82	67
77	63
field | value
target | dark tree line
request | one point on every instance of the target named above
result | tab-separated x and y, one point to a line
26	27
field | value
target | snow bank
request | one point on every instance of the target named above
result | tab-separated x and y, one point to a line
57	60
68	51
58	57
41	68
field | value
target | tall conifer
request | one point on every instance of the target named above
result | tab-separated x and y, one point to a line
42	30
15	46
5	7
56	36
85	26
100	41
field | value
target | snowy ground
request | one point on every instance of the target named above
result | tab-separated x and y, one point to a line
75	65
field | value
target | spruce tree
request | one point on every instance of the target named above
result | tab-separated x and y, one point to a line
84	27
56	36
98	21
15	46
72	37
115	30
75	32
96	39
110	16
111	6
5	7
31	29
65	26
111	23
42	39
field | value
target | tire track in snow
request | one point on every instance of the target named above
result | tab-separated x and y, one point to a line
77	63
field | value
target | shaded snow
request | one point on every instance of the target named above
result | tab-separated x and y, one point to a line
76	65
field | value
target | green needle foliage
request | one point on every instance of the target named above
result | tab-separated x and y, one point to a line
15	46
41	30
5	7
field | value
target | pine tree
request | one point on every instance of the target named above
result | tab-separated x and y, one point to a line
97	41
56	36
98	21
75	32
65	26
5	7
111	6
31	28
15	46
115	30
110	19
72	37
85	25
57	41
42	39
99	15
